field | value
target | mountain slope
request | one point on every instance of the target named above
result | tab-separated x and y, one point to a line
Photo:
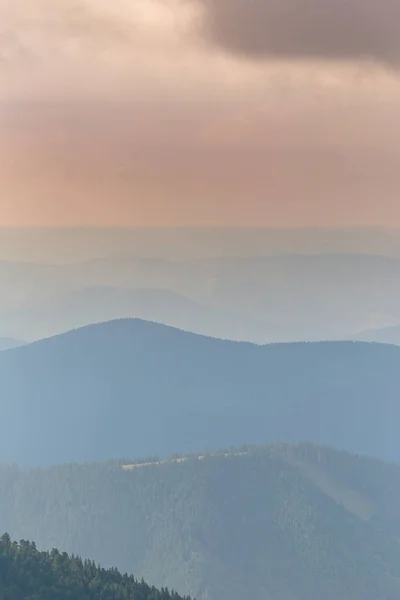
8	343
131	387
268	523
383	335
28	574
91	305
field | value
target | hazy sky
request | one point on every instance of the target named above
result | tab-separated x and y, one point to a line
228	112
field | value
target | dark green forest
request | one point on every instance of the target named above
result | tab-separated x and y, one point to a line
276	522
27	574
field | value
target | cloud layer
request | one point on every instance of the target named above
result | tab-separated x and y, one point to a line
117	112
306	29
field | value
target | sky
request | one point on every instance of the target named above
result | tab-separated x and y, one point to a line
200	112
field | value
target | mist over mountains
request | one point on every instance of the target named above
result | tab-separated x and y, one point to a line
76	244
262	299
199	300
112	422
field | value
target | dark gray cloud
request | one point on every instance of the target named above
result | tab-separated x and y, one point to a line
306	29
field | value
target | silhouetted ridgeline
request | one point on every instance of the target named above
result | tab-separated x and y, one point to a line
27	574
133	388
8	343
276	522
384	335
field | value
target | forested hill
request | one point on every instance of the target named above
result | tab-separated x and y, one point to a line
27	574
134	388
276	522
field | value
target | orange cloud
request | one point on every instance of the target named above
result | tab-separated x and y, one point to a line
117	113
